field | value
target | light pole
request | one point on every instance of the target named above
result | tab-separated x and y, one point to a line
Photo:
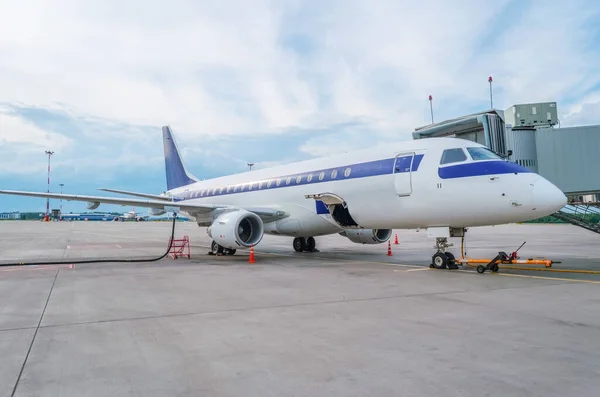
49	153
431	107
61	186
250	166
491	101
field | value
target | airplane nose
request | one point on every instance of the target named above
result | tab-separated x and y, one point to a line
547	198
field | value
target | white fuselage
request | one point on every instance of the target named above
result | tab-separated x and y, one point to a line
380	196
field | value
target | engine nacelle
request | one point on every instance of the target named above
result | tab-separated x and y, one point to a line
367	236
91	205
237	229
157	212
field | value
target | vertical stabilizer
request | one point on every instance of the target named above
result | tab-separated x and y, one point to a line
177	175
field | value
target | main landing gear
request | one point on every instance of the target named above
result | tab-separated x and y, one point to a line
305	244
442	259
216	249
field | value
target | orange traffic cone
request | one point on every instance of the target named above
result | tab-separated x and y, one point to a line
396	240
251	260
389	248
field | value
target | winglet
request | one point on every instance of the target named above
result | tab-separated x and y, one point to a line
177	175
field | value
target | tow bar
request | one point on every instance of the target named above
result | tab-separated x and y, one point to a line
501	258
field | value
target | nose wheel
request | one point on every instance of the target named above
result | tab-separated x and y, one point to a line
443	259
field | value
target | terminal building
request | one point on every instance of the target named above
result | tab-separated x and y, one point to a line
10	215
530	135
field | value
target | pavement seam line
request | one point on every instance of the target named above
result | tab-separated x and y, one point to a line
243	309
16	329
34	335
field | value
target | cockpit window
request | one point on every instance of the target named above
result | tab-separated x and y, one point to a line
481	153
453	156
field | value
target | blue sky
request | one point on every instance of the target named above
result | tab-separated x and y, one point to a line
265	82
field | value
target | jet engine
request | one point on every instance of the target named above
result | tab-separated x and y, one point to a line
90	205
237	229
367	236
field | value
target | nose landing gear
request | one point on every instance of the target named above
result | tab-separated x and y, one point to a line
442	259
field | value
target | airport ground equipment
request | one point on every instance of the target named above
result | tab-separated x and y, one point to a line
501	259
180	248
251	259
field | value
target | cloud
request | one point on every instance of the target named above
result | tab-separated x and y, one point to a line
583	112
234	68
15	130
267	82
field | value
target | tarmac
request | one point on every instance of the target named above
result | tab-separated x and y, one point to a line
346	321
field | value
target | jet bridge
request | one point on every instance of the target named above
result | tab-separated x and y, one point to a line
486	128
582	214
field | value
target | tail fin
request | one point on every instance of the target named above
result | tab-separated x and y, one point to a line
177	175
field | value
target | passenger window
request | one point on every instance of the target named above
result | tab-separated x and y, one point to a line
482	153
453	156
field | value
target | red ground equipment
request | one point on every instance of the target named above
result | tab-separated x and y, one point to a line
180	248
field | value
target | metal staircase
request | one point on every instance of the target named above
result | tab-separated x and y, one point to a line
585	215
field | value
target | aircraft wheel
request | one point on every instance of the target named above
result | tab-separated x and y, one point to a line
229	251
311	244
440	260
216	248
451	260
299	244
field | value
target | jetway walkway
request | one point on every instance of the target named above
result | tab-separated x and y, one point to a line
585	215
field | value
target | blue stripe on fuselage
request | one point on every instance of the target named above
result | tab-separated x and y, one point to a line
480	168
352	171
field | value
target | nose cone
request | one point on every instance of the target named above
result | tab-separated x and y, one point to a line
547	198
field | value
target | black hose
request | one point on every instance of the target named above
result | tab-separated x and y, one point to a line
102	260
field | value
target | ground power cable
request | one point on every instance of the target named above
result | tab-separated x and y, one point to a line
101	260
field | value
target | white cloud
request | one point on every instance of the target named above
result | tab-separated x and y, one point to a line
14	129
227	68
22	145
584	112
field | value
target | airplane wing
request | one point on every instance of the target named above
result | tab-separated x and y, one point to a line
158	204
267	214
145	195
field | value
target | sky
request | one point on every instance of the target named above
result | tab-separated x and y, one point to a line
266	82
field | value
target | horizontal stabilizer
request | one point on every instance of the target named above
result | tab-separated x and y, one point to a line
136	194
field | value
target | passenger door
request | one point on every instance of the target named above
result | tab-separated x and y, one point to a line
403	173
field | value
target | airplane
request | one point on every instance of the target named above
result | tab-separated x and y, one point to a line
441	185
129	216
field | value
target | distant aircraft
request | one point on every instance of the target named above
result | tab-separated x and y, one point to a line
130	216
443	185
